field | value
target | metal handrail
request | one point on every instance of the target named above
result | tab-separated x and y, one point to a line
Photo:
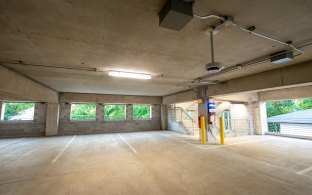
186	114
179	108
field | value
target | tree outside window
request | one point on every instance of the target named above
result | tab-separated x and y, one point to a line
83	112
114	112
142	111
12	111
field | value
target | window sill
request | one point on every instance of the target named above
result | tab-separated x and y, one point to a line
142	119
115	120
82	120
18	121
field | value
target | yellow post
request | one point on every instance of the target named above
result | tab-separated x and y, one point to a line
221	130
203	129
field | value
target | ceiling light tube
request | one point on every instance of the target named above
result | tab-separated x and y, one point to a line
129	75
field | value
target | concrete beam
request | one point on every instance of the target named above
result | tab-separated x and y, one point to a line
289	93
290	76
283	77
100	98
164	117
20	87
239	97
185	96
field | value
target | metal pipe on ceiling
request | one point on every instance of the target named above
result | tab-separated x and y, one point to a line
231	22
209	16
243	65
46	66
267	37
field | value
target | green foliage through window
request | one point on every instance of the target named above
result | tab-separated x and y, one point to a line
115	112
287	106
83	112
17	111
274	127
142	111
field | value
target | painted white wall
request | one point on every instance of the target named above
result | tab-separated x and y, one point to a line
296	129
240	119
239	116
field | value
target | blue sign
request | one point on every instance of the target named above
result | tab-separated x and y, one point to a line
211	107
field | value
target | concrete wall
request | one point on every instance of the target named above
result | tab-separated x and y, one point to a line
54	118
26	128
240	117
68	127
184	126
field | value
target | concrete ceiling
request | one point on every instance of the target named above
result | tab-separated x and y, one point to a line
124	35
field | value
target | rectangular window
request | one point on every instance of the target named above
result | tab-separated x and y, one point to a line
83	112
142	111
114	112
227	120
12	111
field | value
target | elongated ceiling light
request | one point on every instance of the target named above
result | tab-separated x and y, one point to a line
129	75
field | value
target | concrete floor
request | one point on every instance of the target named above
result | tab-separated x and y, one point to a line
160	162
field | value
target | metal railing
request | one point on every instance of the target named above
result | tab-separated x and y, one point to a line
191	107
180	115
233	128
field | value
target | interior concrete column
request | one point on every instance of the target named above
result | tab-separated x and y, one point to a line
1	111
251	118
203	111
129	111
52	120
100	112
163	117
261	123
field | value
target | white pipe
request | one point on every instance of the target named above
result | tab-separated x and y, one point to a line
209	16
249	31
266	37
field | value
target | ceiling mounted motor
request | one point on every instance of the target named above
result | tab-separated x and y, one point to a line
213	67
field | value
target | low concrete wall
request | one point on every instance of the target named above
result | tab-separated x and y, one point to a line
26	128
68	127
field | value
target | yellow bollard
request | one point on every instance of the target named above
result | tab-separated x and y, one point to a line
221	130
203	129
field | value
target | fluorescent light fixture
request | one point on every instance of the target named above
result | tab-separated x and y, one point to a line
129	75
282	57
